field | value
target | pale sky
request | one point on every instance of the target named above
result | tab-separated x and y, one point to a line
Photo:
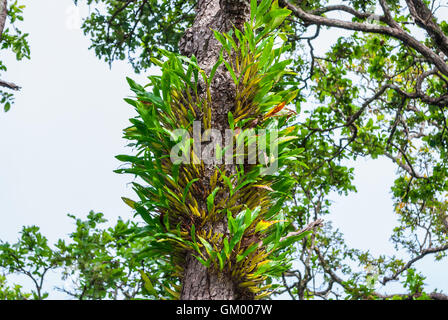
58	142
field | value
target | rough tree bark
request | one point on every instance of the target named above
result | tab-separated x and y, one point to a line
199	283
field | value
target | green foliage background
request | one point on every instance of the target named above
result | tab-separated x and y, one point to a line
364	98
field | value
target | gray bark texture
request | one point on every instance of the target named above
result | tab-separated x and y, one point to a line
3	13
200	283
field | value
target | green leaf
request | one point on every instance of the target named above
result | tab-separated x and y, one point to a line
250	216
261	10
231	41
267	51
232	225
143	213
175	174
134	86
276	17
236	238
193	233
221	259
220	37
207	246
290	240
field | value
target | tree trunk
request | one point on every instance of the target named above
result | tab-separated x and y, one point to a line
200	283
3	14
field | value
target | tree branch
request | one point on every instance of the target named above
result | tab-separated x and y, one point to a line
412	261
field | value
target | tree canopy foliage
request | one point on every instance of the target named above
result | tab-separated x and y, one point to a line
11	39
95	262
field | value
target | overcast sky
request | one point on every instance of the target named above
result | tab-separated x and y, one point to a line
58	142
